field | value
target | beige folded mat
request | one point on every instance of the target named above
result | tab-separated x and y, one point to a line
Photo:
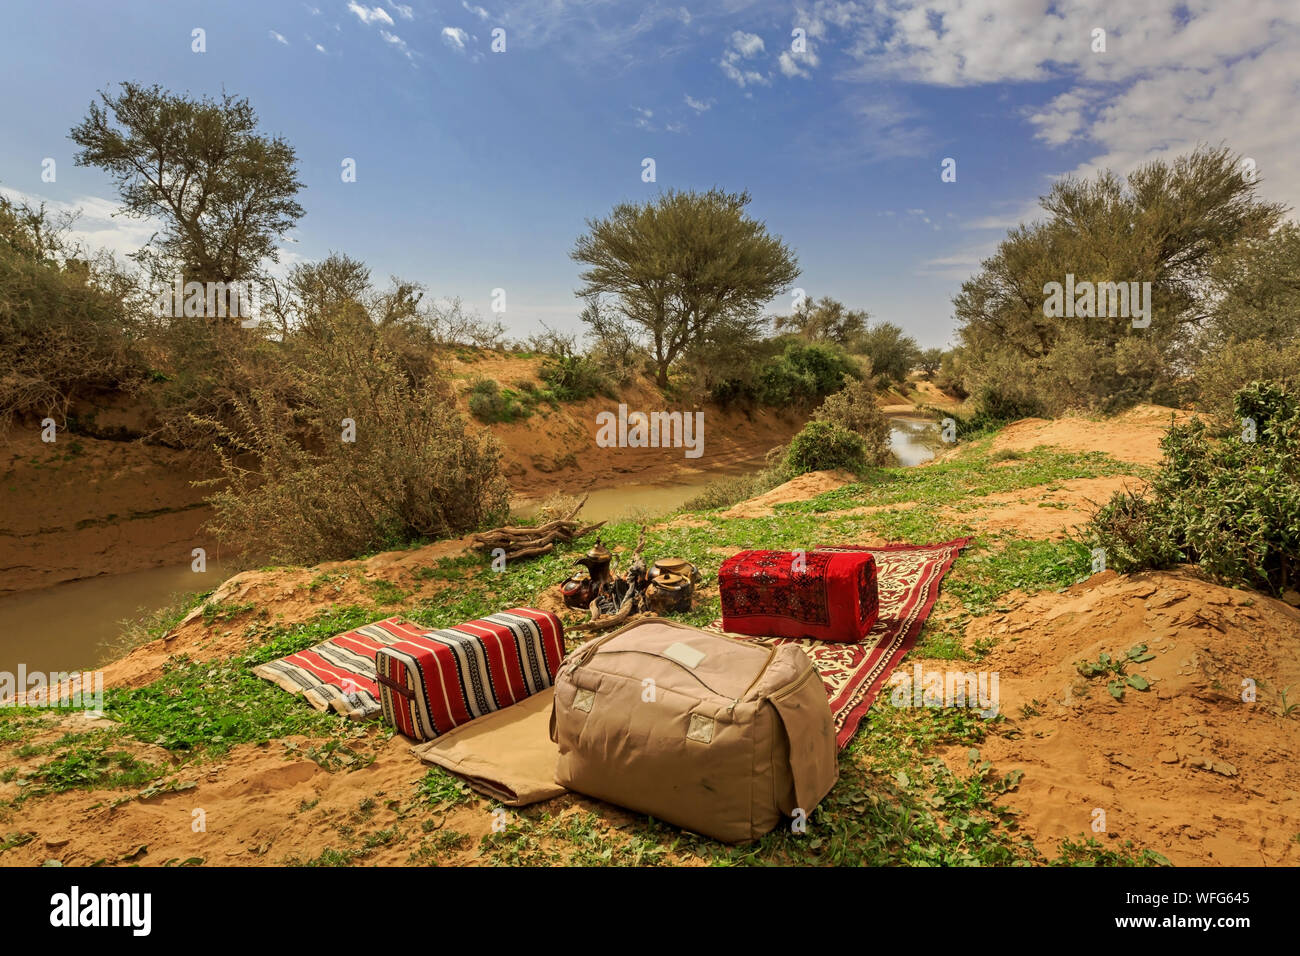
507	755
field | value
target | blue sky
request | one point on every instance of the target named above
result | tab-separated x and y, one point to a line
476	170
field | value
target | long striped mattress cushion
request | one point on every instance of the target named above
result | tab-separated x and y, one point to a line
432	682
340	674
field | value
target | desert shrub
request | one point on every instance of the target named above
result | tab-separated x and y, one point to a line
450	324
823	366
733	391
822	446
854	408
615	348
1231	506
204	370
572	377
999	404
299	485
489	402
1131	528
1228	368
781	372
732	489
65	324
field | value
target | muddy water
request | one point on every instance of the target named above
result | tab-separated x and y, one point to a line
913	440
66	627
73	626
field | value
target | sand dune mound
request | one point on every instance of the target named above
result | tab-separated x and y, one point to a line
802	488
1202	766
1133	436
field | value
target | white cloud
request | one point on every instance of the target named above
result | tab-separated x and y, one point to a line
1011	214
742	46
797	64
700	106
370	14
477	11
960	265
455	37
1174	74
320	49
403	11
1061	120
278	37
747	44
815	18
394	40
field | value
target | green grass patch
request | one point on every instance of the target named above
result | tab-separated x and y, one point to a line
964	477
207	707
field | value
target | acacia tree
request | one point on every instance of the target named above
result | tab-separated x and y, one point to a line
224	192
683	270
893	353
825	320
1167	223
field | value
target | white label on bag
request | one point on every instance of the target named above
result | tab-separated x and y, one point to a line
685	654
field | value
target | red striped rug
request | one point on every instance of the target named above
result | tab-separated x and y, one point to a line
908	577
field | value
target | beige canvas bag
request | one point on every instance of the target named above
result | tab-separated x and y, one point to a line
715	735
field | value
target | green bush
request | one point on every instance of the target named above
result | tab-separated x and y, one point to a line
64	327
803	373
999	404
854	408
822	446
489	402
1231	506
572	378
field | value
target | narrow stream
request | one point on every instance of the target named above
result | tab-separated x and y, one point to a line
73	626
65	627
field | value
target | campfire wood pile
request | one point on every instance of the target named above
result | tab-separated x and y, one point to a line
529	542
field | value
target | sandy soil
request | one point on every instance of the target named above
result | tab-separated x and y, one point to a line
1188	768
802	488
1048	512
556	450
1133	436
83	506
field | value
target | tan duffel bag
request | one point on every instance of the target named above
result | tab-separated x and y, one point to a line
715	735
